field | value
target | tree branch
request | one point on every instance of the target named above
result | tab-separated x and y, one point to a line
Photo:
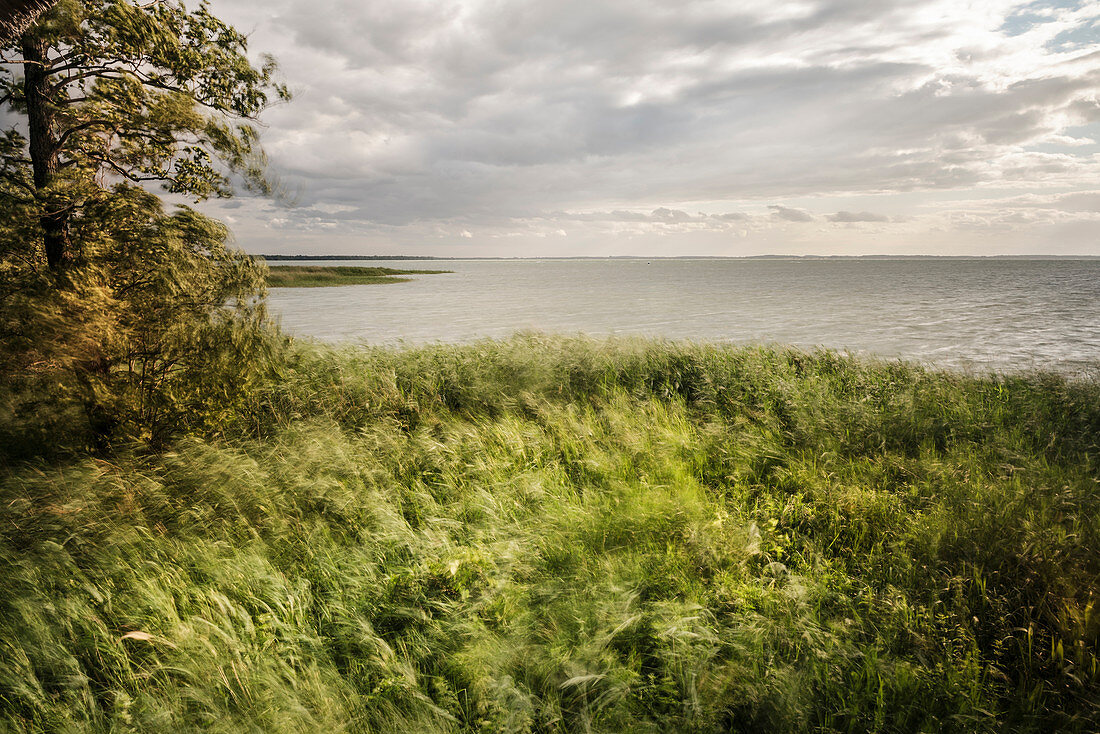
125	172
100	72
77	128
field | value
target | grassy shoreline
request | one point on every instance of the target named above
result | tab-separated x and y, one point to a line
549	534
320	276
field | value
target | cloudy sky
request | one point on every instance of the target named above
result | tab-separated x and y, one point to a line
681	127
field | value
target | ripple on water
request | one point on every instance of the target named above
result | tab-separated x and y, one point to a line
972	314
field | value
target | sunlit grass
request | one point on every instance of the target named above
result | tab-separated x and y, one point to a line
551	534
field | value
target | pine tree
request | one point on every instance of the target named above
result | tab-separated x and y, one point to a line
118	317
115	90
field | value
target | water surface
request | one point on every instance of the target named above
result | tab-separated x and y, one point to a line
975	314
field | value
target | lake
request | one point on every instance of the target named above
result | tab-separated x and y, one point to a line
971	314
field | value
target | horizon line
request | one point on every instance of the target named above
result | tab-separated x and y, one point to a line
878	256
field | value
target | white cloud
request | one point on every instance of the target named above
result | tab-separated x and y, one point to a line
487	117
787	214
848	217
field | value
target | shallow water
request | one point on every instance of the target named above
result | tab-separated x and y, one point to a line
971	314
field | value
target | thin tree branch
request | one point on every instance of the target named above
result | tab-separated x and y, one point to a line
78	128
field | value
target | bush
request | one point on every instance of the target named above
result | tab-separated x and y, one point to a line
159	325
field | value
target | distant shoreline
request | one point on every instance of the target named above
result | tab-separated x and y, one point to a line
294	258
320	276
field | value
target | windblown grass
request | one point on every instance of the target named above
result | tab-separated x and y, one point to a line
551	534
317	276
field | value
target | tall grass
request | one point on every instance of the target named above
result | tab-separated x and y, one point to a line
549	534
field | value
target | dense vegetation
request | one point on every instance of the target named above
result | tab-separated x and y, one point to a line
204	527
555	534
119	317
313	276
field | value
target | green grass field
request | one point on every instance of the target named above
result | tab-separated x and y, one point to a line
316	276
563	535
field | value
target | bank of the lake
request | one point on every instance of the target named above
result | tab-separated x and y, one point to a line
320	276
567	535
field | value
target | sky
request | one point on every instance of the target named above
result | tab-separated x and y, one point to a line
636	127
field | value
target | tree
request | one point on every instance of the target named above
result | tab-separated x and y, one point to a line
117	317
113	90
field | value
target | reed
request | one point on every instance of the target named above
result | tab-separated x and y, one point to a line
562	534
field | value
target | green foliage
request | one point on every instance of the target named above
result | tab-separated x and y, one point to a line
119	320
316	276
159	325
145	92
567	535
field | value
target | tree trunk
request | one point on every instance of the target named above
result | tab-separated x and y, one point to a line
44	152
